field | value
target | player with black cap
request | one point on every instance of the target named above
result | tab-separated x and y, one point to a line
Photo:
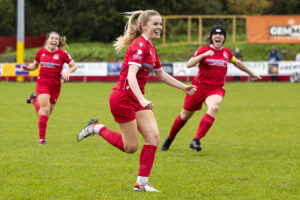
212	61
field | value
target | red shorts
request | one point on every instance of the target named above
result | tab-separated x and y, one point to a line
48	86
124	105
194	102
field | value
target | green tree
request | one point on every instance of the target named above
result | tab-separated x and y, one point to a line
8	17
285	7
248	6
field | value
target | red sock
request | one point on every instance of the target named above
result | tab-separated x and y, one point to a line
205	123
112	137
43	126
36	105
178	124
147	160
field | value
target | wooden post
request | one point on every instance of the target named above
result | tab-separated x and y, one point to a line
189	29
164	31
234	29
200	30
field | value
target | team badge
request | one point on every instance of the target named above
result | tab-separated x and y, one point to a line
138	55
225	54
43	55
56	57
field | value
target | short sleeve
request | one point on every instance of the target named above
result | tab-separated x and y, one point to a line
232	60
136	55
157	64
231	57
37	56
200	51
67	58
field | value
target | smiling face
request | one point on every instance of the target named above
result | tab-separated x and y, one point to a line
217	40
152	29
52	41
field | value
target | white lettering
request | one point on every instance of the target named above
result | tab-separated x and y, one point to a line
285	30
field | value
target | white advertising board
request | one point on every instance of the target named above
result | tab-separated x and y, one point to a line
89	69
260	68
288	67
179	69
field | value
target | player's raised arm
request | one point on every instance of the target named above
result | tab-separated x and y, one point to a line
240	65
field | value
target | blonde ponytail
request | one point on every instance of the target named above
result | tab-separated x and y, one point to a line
133	28
62	41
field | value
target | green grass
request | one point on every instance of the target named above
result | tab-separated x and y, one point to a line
251	152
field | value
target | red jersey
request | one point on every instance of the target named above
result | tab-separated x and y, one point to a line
51	62
143	54
213	69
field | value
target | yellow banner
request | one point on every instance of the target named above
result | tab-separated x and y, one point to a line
8	70
35	72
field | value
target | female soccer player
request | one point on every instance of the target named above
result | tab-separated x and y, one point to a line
51	59
213	60
131	110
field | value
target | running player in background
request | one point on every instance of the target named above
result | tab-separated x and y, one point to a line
213	60
51	59
130	109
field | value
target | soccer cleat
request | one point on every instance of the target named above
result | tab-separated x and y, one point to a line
195	144
42	142
144	188
88	130
31	98
166	145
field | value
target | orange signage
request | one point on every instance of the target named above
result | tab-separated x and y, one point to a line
271	29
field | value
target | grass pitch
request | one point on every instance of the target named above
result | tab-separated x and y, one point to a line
251	152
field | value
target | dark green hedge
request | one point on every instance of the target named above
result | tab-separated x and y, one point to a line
102	20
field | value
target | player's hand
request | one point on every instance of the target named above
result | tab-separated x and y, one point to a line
190	89
147	104
209	53
66	76
255	77
25	67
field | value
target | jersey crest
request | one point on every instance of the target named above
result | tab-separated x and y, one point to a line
56	57
138	55
225	54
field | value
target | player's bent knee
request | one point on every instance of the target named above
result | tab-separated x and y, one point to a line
153	139
44	111
131	148
185	116
214	108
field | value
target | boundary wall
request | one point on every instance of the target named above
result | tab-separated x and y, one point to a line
110	71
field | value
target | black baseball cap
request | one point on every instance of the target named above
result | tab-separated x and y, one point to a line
217	29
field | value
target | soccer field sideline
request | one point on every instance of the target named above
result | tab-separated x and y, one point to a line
251	152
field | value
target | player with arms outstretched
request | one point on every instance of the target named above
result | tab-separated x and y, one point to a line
51	59
213	60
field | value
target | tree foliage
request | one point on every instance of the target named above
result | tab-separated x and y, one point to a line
102	20
285	7
248	6
8	17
